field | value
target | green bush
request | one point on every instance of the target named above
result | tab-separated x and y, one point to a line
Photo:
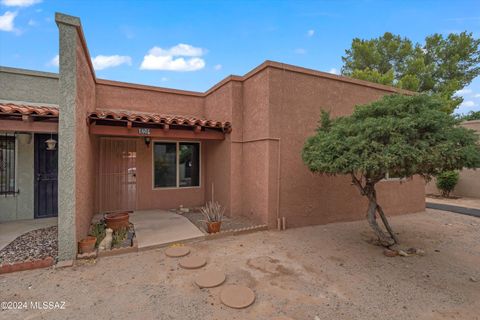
446	182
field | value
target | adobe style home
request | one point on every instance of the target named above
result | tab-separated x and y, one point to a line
122	146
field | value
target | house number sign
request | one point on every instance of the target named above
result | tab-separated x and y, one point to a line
144	131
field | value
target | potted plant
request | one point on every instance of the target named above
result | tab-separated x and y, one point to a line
213	213
117	220
87	244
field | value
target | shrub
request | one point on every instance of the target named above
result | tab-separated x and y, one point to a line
446	182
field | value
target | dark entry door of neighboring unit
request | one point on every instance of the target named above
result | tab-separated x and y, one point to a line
46	177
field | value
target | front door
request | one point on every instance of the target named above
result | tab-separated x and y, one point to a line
46	173
117	189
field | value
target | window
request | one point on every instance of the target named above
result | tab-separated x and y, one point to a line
176	164
7	164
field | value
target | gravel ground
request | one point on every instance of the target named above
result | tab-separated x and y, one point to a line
228	223
33	245
319	272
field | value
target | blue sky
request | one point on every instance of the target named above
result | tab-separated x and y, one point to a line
192	45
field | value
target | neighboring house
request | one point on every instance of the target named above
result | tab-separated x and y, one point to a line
469	181
125	146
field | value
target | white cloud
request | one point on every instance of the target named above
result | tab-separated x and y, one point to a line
164	79
32	22
103	62
466	107
476	95
334	71
300	51
180	49
54	62
182	57
310	32
464	91
217	67
468	104
20	3
6	21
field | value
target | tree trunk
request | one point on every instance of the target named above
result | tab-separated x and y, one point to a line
384	239
368	190
386	224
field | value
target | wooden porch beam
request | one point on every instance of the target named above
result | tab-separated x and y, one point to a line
28	126
155	133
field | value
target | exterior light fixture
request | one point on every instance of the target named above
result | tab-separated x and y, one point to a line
147	141
51	143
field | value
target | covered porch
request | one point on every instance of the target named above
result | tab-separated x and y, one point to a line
150	161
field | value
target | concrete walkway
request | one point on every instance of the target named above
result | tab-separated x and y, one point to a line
10	230
468	206
156	228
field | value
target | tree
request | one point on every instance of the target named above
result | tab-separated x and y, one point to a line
472	115
400	135
446	182
440	66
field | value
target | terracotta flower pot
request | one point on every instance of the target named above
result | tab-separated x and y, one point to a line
87	245
116	221
214	227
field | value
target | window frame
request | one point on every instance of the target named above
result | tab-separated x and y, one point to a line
15	169
177	163
388	178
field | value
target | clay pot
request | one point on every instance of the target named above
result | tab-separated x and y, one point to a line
214	227
116	221
87	245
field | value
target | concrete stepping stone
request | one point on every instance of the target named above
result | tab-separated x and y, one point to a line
237	297
175	252
193	262
210	278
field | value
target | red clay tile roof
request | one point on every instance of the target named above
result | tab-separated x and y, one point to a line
24	109
158	119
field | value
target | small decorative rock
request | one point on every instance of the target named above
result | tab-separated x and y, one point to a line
390	253
210	279
175	252
402	253
237	297
194	262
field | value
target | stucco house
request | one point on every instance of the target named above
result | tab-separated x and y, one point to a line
130	146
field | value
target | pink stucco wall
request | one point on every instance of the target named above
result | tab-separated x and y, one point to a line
257	170
86	145
122	96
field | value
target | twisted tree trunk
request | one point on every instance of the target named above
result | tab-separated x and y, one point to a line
368	190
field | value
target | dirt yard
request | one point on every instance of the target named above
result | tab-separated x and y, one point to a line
321	272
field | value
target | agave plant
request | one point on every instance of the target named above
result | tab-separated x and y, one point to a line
212	211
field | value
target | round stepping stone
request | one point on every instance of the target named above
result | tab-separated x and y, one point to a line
194	262
237	297
175	252
210	278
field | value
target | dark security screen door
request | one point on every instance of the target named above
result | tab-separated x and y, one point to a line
46	173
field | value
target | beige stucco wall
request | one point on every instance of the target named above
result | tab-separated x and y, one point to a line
469	182
21	205
34	87
27	85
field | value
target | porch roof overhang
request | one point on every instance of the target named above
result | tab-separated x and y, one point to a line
140	124
28	117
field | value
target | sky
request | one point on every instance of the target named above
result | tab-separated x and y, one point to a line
192	45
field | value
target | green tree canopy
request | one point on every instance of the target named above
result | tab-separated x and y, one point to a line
440	66
399	135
